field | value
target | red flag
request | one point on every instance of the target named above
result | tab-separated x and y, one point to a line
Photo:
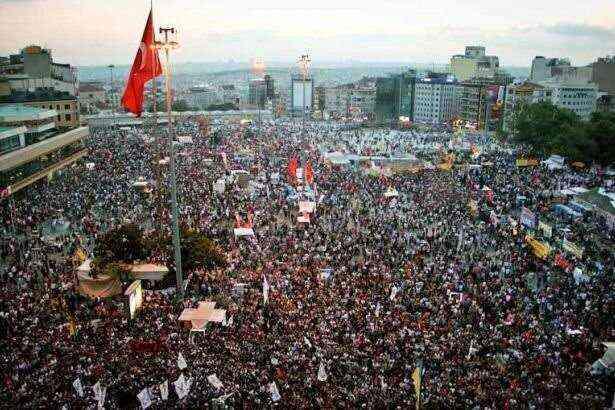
309	173
293	164
489	195
145	67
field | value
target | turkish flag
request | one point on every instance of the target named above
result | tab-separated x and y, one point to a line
309	173
145	67
292	168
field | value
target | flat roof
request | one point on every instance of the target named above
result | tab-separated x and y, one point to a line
7	132
16	158
17	112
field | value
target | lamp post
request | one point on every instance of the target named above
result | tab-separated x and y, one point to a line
258	70
167	45
304	69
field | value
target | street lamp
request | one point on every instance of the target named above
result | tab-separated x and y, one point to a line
304	70
167	45
258	70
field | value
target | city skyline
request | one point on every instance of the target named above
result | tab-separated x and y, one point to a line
392	31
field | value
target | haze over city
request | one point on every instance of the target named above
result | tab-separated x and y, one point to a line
102	32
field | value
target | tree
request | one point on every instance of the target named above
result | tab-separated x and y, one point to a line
121	244
180	106
199	252
601	130
548	129
543	126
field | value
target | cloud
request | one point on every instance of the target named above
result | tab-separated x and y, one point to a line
581	30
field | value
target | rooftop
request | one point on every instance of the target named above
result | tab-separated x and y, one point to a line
40	94
22	112
89	88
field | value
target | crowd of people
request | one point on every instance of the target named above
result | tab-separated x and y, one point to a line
372	288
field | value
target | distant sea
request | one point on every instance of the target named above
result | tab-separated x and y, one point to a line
326	74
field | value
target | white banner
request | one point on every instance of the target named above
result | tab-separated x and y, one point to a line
182	386
145	398
181	362
214	381
78	387
164	390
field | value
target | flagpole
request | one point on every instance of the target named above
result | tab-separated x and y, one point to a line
167	45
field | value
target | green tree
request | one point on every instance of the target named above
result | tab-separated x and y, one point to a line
601	130
543	126
121	244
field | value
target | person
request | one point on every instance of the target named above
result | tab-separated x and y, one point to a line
415	280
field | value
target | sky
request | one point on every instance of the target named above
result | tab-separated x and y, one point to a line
101	32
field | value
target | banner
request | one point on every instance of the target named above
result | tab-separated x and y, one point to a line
522	162
546	229
164	390
78	387
181	362
527	218
214	381
541	250
273	390
322	374
306	206
573	249
182	386
145	398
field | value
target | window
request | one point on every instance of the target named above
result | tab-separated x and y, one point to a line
58	107
67	117
67	106
59	117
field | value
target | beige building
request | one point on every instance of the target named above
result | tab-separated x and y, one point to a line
474	64
65	105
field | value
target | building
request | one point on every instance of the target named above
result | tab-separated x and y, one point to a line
558	69
91	94
33	148
65	104
36	63
523	93
603	74
269	87
394	97
435	99
201	97
257	92
579	97
474	63
301	95
229	94
482	99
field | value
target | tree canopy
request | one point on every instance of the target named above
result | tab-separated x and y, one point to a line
548	129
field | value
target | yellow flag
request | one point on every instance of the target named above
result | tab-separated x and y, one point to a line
416	378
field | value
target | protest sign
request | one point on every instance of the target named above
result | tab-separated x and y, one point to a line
273	390
181	362
546	229
573	249
78	387
145	398
214	381
182	386
164	390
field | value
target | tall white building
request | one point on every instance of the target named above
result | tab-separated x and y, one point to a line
435	99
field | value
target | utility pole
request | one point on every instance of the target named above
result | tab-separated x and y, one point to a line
304	68
167	45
